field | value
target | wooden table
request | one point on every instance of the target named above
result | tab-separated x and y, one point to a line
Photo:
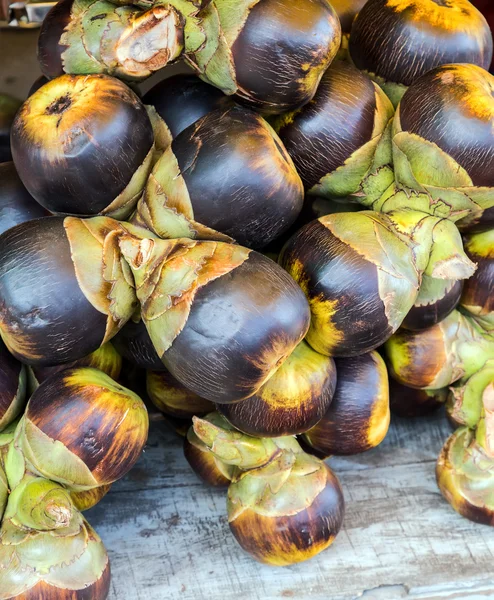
168	535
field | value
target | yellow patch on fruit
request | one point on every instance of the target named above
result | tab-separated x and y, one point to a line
450	15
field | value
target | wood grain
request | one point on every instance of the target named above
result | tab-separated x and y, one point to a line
168	536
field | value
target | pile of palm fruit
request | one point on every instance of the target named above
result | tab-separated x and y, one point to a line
257	240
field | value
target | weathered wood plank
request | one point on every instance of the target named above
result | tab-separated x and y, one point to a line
168	535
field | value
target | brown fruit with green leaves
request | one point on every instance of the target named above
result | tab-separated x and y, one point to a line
81	429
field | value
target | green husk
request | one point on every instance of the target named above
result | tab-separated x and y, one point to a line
120	40
18	401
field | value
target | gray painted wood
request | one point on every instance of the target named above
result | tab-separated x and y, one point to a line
168	537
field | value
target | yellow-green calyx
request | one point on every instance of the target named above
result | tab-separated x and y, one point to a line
465	475
39	504
451	351
238	449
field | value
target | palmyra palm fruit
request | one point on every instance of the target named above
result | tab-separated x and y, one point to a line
433	358
47	549
226	176
16	203
292	401
271	53
358	417
85	145
86	499
95	36
340	142
362	271
284	506
443	147
80	429
181	100
486	8
65	288
174	399
397	41
478	291
221	317
13	383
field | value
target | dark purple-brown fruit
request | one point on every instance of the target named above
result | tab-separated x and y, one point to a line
240	179
336	261
453	107
49	48
182	100
99	427
400	40
283	539
292	401
135	345
408	402
12	387
45	316
338	121
358	418
8	108
427	313
282	51
174	399
78	141
240	329
16	204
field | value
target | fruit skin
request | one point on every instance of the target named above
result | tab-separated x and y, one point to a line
485	8
347	112
16	204
435	33
427	312
293	400
358	417
8	109
226	176
409	402
96	429
78	143
174	399
13	381
181	100
282	51
49	47
135	345
241	327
